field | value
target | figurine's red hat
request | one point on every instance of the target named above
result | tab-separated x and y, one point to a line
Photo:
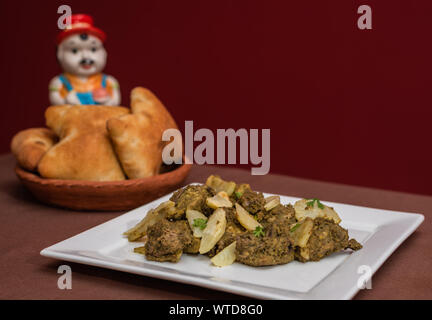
81	23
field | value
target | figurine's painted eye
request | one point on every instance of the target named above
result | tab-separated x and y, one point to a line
94	49
74	50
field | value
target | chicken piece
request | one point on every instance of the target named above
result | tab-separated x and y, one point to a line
191	197
354	245
280	216
166	240
326	238
232	221
263	251
193	247
275	247
252	201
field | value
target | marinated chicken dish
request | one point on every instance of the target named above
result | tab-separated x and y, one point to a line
230	222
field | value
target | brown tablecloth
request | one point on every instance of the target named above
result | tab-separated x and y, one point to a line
26	227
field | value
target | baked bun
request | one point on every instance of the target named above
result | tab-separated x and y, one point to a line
137	137
29	146
84	151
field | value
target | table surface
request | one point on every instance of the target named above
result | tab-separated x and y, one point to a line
27	226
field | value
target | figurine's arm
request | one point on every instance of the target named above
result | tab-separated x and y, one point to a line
54	92
115	99
55	97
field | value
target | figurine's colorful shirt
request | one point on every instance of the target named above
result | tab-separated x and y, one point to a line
84	88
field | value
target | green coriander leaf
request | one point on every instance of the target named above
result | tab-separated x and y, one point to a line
200	223
295	227
258	232
238	194
312	202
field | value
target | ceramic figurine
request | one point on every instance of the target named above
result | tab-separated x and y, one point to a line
82	56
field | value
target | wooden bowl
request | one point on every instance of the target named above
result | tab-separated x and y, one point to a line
102	196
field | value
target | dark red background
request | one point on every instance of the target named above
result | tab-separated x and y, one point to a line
343	104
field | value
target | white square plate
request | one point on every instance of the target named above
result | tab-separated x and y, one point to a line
334	277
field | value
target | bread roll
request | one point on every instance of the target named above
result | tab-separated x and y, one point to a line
137	137
28	146
84	151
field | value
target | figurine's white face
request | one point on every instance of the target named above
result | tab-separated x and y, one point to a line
82	55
